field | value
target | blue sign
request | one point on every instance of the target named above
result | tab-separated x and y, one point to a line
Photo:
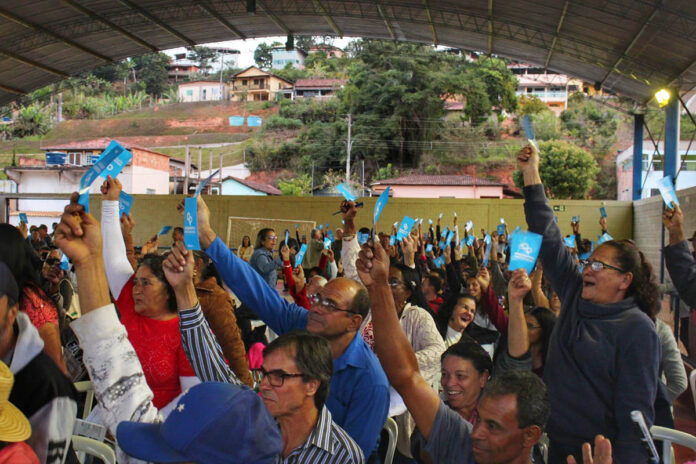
666	187
254	121
330	234
236	120
450	237
392	240
462	242
363	238
469	225
576	220
439	261
117	165
429	248
327	243
487	253
23	218
442	244
321	226
164	230
64	263
570	241
501	229
300	255
444	232
113	151
345	192
528	131
191	224
202	185
379	206
404	228
603	211
125	202
524	249
287	236
605	237
430	221
470	240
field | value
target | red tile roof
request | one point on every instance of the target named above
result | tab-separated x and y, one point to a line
96	144
258	186
319	83
418	179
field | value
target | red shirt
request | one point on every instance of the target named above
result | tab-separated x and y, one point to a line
158	346
39	307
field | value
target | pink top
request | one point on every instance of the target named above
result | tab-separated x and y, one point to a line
38	306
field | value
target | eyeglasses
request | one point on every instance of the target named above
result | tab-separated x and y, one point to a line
597	266
317	300
276	378
272	237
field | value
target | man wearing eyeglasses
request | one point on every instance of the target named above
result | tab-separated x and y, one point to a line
359	394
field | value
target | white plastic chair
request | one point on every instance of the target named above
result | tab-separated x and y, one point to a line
393	433
94	448
82	387
692	384
670	436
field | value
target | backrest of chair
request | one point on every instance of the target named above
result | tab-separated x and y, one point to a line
86	386
670	436
94	448
692	384
393	432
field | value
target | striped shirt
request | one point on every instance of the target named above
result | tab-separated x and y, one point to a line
326	444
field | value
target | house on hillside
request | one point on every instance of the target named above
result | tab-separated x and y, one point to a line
280	57
651	174
317	88
445	186
551	88
199	91
329	50
254	84
181	69
236	186
65	164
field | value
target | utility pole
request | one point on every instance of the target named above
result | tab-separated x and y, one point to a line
312	191
348	147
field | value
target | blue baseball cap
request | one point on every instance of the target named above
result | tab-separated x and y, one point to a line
213	422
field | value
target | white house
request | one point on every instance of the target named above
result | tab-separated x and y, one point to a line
281	57
198	91
686	168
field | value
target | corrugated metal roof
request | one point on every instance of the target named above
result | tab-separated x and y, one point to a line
419	179
258	186
630	47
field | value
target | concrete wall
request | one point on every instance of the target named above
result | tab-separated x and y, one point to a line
647	225
151	212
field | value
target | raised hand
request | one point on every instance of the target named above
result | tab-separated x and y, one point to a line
111	189
373	265
285	253
330	254
178	266
448	255
408	246
78	235
519	285
127	224
206	234
673	219
602	452
528	162
23	229
299	278
484	279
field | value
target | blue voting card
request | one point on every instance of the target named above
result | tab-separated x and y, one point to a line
487	253
500	229
666	187
569	241
576	220
164	230
524	249
300	255
287	236
392	240
125	202
23	218
202	185
112	151
605	237
191	224
430	221
379	206
404	228
429	248
439	261
363	238
345	192
442	245
528	131
469	225
450	237
64	263
116	166
444	232
254	121
330	234
462	242
327	243
470	240
321	226
603	211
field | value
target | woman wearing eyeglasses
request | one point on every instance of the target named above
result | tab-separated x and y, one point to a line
603	356
262	260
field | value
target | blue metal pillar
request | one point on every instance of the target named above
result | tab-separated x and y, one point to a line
637	155
671	137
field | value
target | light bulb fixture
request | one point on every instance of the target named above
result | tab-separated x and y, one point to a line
662	96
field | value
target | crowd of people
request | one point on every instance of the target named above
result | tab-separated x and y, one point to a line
203	356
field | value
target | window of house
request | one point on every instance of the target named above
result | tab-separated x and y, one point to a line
203	95
75	158
244	82
189	93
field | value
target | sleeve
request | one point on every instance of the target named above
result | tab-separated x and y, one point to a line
41	311
430	344
115	371
332	270
366	414
559	265
280	315
450	437
323	259
349	255
201	348
637	376
301	298
265	264
498	280
504	362
118	269
495	312
682	269
671	363
578	244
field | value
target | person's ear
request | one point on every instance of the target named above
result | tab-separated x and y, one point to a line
531	435
355	322
311	387
626	281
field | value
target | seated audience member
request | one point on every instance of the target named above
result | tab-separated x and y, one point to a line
43	234
218	308
431	287
147	306
672	370
14	426
603	356
177	234
680	263
41	391
245	250
359	395
540	323
33	301
262	260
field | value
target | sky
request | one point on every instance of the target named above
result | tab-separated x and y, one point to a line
247	47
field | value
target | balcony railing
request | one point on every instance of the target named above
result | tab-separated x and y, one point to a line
262	86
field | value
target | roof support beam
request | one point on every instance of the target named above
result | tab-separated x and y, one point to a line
14	18
35	64
208	9
426	3
555	35
386	21
154	19
645	25
328	18
87	12
490	27
7	88
276	20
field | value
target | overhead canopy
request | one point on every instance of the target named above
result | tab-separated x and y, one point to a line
631	47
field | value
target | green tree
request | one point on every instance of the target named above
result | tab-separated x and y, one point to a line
592	125
300	186
567	170
546	126
262	56
530	105
203	56
31	120
151	69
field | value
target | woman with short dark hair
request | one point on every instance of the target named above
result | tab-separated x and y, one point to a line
262	260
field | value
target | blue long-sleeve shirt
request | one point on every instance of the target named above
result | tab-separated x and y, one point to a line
262	262
359	395
602	360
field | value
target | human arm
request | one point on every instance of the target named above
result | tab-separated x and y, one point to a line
680	263
118	268
537	291
490	304
671	364
602	452
127	224
299	294
408	246
391	345
518	338
332	268
351	247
